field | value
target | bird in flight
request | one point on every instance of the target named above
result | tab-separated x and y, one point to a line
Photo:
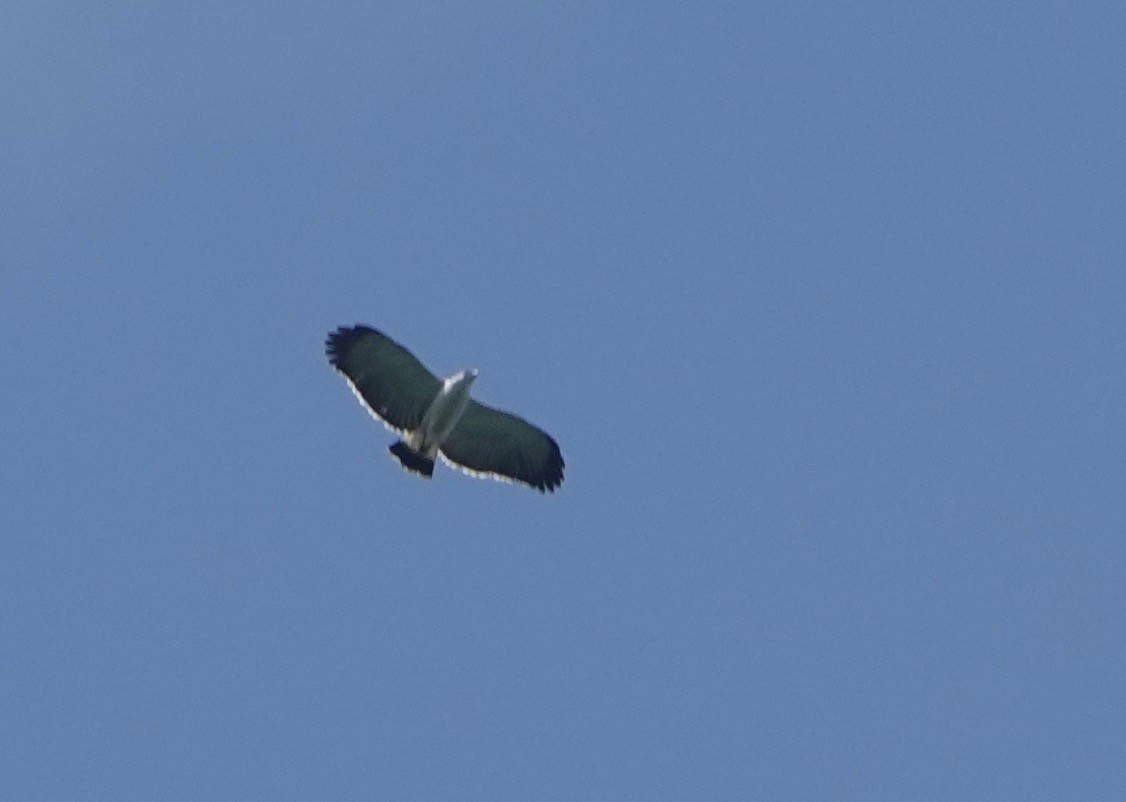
437	417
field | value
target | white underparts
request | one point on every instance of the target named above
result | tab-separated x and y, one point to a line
442	415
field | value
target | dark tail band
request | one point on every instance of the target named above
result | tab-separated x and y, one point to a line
411	460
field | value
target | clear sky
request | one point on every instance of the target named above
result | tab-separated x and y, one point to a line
823	302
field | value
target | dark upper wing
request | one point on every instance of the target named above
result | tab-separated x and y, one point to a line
490	442
386	377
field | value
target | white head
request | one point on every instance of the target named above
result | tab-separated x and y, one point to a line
462	380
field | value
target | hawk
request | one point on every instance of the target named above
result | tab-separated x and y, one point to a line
436	417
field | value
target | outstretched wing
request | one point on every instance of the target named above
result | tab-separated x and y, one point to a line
386	377
488	442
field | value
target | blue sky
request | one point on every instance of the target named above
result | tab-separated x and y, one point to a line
824	303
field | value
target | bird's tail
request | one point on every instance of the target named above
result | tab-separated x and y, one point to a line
412	460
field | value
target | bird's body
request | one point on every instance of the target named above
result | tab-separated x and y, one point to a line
443	414
418	449
438	418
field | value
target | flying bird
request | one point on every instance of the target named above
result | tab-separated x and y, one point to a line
437	417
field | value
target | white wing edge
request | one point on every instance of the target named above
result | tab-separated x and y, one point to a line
500	477
363	402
